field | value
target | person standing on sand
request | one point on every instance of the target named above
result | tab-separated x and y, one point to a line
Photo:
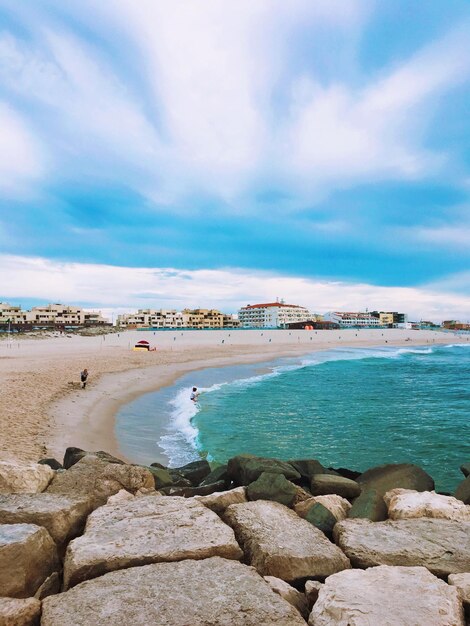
84	377
194	394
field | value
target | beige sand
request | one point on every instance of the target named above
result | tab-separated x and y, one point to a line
44	410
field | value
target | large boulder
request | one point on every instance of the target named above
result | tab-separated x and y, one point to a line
220	500
21	478
323	484
28	555
408	504
92	477
162	477
387	477
322	518
150	529
61	516
53	463
279	543
272	487
307	468
465	469
190	492
463	491
338	506
443	546
246	468
19	612
462	582
290	594
74	455
389	596
217	474
210	592
195	472
369	505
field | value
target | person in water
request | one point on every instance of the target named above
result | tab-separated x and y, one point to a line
194	394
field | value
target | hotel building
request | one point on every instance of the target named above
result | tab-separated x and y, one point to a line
272	315
171	319
352	320
50	315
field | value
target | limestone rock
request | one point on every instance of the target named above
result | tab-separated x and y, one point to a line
162	477
462	582
443	546
99	479
407	503
387	477
16	478
369	505
195	472
191	492
28	555
51	585
74	455
19	612
323	484
272	487
246	468
61	516
217	474
122	496
307	467
338	506
220	500
322	518
291	595
389	596
146	530
211	592
279	543
463	491
53	463
301	495
312	589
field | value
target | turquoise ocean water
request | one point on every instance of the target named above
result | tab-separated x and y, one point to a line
353	408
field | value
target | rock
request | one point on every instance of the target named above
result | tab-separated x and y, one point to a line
178	480
312	589
74	455
307	467
369	505
123	496
32	478
290	595
443	546
323	484
49	587
99	479
387	477
190	492
337	506
407	504
301	495
195	472
217	474
465	469
210	592
246	468
345	472
28	555
53	463
389	596
279	543
161	477
16	612
147	530
61	516
272	487
463	491
462	582
158	465
220	500
321	518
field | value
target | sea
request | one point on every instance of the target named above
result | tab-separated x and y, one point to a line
347	407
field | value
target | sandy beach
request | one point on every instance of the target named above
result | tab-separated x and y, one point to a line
44	410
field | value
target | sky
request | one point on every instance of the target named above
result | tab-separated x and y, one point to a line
207	153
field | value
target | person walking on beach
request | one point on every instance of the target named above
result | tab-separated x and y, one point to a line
194	394
84	377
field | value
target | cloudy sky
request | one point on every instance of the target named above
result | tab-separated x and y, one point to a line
218	153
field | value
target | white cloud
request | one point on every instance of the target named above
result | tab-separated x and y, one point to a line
445	236
113	287
21	158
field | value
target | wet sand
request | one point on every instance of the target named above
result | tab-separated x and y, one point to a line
44	410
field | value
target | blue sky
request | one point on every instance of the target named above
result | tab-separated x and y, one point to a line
217	153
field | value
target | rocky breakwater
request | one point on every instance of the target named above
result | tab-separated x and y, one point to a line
255	542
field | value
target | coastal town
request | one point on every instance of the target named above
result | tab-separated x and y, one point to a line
269	315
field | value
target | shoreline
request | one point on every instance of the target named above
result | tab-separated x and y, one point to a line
45	412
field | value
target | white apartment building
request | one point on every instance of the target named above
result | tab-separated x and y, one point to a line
188	318
58	314
352	320
272	315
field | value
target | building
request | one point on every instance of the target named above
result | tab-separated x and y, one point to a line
172	319
455	325
352	320
50	315
272	315
313	325
392	319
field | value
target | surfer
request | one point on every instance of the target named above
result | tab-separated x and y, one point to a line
194	394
